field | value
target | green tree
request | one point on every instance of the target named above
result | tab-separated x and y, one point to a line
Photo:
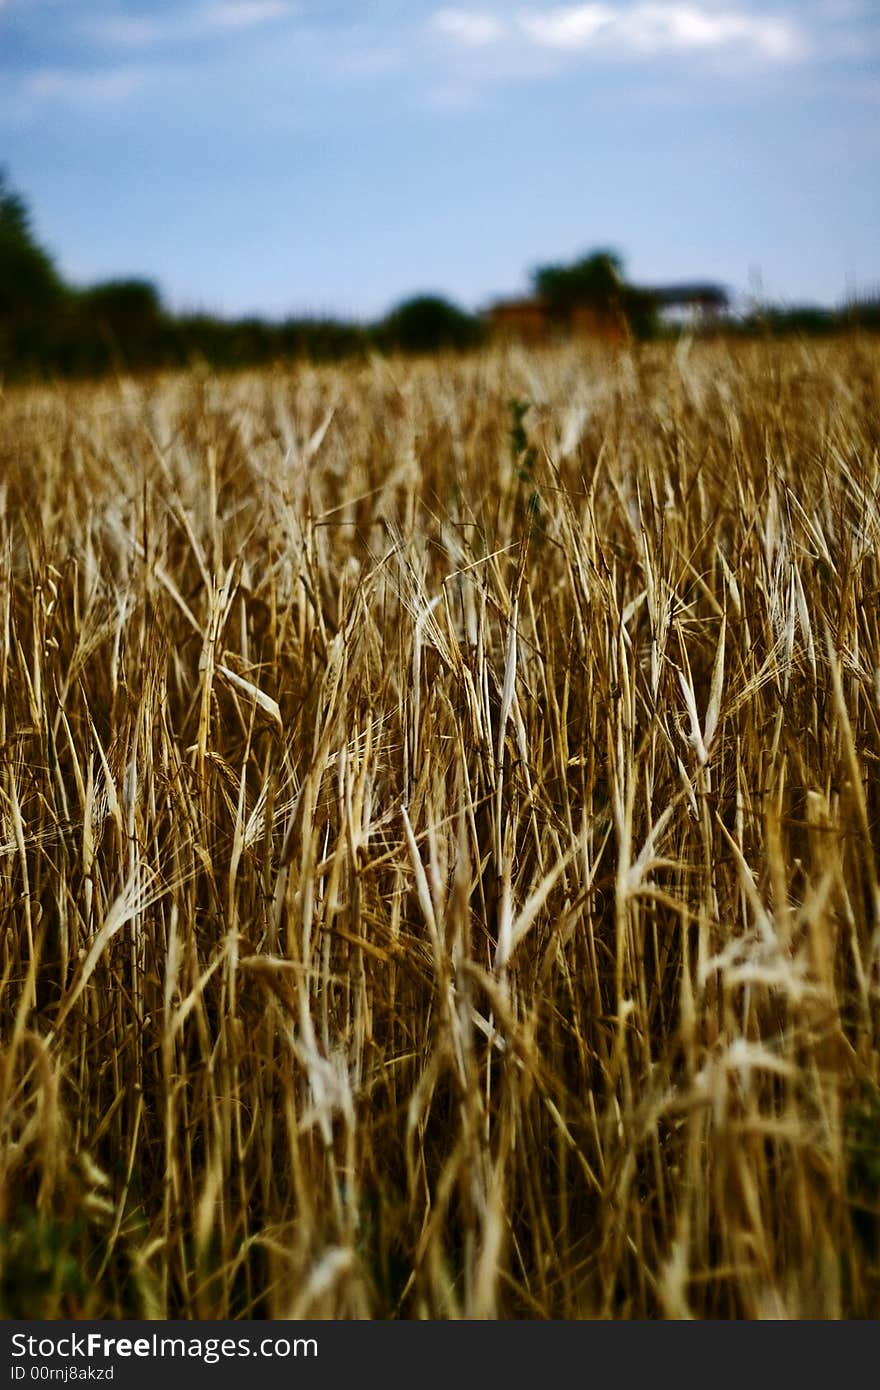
120	323
123	303
428	323
640	311
596	280
29	282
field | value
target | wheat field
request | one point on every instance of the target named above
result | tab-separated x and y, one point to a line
438	837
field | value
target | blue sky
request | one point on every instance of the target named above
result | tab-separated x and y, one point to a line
275	157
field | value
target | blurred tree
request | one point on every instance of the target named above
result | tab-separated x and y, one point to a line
32	293
596	280
121	322
426	324
123	303
640	309
29	282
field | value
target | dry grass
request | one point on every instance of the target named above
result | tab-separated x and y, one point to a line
439	839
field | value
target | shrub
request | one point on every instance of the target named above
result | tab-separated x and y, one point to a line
428	323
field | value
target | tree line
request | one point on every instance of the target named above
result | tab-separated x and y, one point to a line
50	328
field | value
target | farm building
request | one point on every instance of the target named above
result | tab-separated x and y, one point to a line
536	320
527	320
694	306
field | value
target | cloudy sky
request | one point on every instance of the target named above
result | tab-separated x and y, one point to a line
281	156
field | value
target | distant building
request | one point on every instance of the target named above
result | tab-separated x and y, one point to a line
535	320
595	321
526	320
690	306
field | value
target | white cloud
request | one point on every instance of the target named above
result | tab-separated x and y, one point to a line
203	22
575	27
622	30
658	28
104	86
472	29
688	26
